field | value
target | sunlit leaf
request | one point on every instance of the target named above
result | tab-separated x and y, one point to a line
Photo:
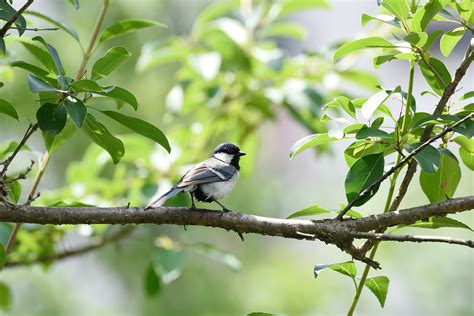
347	268
126	26
363	173
397	8
450	39
5	297
364	43
112	59
367	132
286	29
310	141
440	222
8	109
308	211
438	79
379	286
119	94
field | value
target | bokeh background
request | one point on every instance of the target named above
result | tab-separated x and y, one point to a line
276	275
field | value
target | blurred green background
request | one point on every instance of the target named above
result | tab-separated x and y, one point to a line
276	275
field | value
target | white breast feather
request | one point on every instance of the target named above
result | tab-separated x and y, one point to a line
219	190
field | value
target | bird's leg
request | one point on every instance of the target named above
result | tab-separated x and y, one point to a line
193	206
225	209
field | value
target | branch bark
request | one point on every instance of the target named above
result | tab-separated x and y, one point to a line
10	22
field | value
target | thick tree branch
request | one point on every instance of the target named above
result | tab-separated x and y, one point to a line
414	238
402	162
10	22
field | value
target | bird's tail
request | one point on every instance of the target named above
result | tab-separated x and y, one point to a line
162	199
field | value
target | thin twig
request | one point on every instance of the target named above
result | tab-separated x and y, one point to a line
413	238
37	29
29	131
401	164
10	22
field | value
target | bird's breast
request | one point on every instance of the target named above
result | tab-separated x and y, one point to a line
219	190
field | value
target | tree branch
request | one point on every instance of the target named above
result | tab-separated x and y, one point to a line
331	231
401	164
29	131
10	22
414	238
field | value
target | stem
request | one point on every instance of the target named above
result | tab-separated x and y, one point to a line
88	53
409	96
41	168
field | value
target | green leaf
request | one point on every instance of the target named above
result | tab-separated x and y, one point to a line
76	109
440	222
2	47
290	7
310	141
424	15
57	61
52	143
342	102
382	18
5	297
416	39
112	59
8	109
428	158
436	80
442	184
286	29
86	85
14	191
364	43
102	137
367	132
152	281
467	157
398	8
466	143
466	96
379	286
75	3
162	53
51	118
168	260
347	268
219	255
450	39
364	172
3	256
37	85
308	211
372	104
126	26
40	73
119	94
141	127
43	56
68	29
7	12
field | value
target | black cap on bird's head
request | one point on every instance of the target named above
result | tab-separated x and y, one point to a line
231	150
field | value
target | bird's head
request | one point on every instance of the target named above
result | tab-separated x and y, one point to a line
228	153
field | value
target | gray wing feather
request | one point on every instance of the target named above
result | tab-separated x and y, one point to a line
206	172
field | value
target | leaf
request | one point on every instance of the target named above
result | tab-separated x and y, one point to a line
440	222
436	81
68	29
8	109
119	94
450	39
102	137
382	18
86	85
168	260
219	255
289	7
126	26
364	43
442	184
5	297
43	56
416	39
308	211
112	59
286	29
361	175
41	73
141	127
467	157
76	109
310	141
7	12
367	132
466	96
466	143
75	3
57	61
398	8
152	281
51	118
3	256
37	85
52	143
344	103
14	191
163	53
374	102
424	15
379	286
347	268
428	158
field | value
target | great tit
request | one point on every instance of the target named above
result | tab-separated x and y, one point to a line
209	181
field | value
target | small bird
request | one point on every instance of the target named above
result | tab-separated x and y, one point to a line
211	180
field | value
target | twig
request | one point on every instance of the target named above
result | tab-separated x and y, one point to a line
10	22
37	29
116	236
401	163
29	131
413	238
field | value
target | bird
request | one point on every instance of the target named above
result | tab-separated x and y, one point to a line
209	181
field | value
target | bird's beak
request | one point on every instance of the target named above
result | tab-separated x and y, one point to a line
242	153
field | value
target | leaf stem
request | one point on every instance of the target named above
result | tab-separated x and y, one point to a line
409	96
88	53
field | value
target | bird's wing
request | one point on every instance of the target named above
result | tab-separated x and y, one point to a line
207	171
